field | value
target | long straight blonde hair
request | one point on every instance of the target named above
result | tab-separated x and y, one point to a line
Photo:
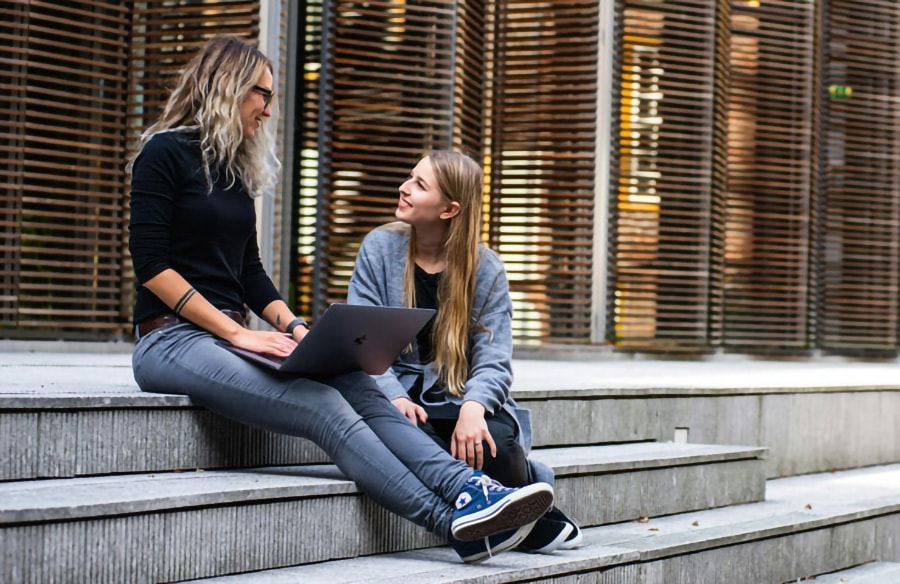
460	180
207	98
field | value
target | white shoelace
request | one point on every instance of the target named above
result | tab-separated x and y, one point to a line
488	484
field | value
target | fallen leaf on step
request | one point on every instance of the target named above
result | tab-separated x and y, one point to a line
653	529
696	523
643	519
807	506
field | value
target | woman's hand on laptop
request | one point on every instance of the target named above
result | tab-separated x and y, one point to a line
267	342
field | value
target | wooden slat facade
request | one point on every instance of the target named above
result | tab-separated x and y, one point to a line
754	194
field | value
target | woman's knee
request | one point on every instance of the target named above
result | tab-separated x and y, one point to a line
503	432
352	381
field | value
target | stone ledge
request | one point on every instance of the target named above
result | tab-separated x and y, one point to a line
638	456
97	497
82	395
86	497
871	573
796	527
95	380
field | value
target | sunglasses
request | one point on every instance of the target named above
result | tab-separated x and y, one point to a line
267	94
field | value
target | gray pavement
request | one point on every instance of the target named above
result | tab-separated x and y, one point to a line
66	368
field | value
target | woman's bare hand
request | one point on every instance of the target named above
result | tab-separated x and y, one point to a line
411	410
470	434
267	342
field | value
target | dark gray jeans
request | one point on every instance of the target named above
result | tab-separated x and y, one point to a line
389	458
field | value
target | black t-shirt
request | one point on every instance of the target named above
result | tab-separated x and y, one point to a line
207	237
426	297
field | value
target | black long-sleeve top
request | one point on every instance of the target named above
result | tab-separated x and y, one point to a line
207	237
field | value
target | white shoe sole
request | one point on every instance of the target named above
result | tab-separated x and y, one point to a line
554	545
511	543
573	543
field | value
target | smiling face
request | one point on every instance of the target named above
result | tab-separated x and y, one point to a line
254	110
421	203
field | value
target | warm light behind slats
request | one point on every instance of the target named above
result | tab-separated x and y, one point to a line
389	84
664	208
542	137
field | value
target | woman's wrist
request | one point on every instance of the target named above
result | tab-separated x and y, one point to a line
289	329
475	407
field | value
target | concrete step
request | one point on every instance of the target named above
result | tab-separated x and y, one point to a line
807	524
197	524
76	415
65	414
606	484
813	416
871	573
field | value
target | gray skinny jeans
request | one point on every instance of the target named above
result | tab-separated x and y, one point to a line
389	458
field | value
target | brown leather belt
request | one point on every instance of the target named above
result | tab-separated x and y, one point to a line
145	328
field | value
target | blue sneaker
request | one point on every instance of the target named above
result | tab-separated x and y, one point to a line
485	507
474	552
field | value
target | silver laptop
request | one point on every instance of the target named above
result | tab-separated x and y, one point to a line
349	337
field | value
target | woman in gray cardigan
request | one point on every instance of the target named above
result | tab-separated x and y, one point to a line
454	380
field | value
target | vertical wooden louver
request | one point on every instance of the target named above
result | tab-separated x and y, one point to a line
469	97
387	93
770	135
542	142
664	208
860	206
63	97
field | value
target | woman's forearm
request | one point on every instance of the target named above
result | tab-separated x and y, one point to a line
170	287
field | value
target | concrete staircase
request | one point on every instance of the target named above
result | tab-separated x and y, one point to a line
665	469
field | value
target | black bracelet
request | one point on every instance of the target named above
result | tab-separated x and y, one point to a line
179	306
289	329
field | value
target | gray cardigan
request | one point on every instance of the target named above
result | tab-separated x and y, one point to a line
378	280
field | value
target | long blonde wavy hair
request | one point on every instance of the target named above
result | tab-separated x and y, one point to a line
460	180
207	98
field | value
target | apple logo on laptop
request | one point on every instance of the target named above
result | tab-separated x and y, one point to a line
359	340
